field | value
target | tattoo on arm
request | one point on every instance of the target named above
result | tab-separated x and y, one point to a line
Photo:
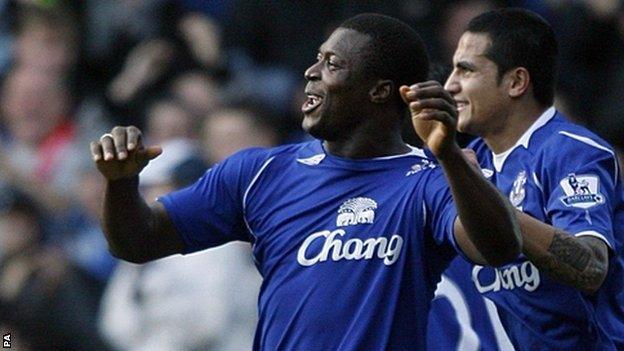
569	252
574	263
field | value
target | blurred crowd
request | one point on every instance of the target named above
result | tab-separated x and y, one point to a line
203	79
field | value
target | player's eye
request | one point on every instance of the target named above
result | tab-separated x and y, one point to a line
461	68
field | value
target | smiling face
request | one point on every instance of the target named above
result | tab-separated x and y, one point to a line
482	98
337	89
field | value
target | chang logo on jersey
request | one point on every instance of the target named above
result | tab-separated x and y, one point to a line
517	194
424	164
328	245
582	191
360	210
524	276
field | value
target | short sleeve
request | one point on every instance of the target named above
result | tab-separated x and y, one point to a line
209	213
579	187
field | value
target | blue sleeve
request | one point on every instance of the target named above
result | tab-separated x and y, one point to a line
579	184
209	213
440	211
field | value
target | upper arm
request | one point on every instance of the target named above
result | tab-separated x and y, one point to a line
580	182
167	240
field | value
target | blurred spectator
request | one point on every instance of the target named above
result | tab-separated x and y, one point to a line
454	21
144	65
39	150
46	40
83	241
203	38
45	298
187	41
197	91
231	129
157	176
168	120
591	66
114	27
6	35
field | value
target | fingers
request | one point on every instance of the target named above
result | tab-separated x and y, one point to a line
133	137
150	153
434	115
434	103
119	141
96	151
403	90
429	89
427	97
117	144
108	146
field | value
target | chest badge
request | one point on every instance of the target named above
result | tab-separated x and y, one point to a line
359	210
517	194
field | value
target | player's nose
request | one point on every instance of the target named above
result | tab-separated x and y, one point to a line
313	72
452	85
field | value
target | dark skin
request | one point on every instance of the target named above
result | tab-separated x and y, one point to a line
358	118
350	128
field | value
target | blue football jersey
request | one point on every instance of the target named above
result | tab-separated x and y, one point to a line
565	176
460	318
350	250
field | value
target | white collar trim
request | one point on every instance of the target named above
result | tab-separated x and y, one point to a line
499	159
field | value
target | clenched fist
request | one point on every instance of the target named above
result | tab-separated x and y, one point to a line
434	115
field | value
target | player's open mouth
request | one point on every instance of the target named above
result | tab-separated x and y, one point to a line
312	102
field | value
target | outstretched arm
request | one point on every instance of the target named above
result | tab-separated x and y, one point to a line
135	231
487	231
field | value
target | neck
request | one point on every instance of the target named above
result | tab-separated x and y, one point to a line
369	140
518	121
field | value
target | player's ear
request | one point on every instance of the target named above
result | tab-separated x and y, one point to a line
382	91
518	80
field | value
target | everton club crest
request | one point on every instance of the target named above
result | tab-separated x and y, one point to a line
517	194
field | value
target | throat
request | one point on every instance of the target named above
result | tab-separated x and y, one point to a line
366	148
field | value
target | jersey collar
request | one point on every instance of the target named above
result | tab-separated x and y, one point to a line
319	154
499	159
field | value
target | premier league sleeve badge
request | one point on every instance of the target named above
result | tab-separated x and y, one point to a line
581	191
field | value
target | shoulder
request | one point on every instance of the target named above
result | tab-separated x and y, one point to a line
567	145
255	157
566	137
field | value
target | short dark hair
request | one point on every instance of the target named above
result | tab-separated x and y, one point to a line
521	38
396	51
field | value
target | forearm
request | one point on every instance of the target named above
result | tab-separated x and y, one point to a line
127	220
486	216
564	258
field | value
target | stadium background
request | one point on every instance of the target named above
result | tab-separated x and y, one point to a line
203	79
